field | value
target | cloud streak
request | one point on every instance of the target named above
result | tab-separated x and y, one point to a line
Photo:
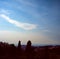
25	26
28	3
3	11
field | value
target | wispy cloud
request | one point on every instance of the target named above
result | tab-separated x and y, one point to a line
3	11
25	26
26	2
28	7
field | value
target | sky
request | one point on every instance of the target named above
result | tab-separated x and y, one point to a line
35	20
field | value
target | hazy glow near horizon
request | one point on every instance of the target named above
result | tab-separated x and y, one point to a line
35	20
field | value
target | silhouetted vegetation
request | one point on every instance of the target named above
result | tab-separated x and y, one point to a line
10	51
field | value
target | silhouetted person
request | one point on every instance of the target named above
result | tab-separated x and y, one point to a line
19	50
19	44
29	50
28	47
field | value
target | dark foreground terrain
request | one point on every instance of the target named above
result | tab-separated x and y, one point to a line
10	51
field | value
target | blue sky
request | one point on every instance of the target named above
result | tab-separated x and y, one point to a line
35	20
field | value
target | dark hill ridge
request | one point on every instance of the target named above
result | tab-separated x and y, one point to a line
10	51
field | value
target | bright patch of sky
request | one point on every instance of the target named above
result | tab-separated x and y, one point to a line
38	20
